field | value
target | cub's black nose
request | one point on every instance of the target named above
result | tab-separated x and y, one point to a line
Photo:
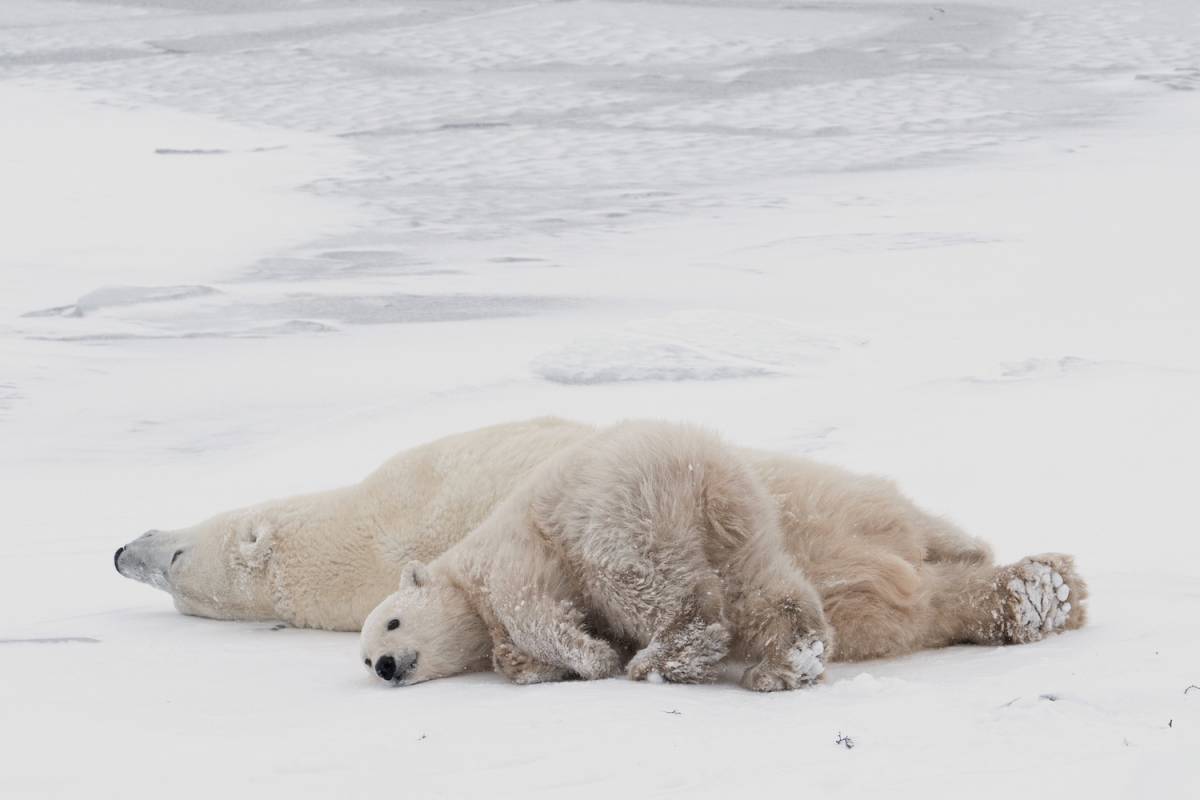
385	667
117	558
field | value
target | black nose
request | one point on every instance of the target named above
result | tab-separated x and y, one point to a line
385	667
117	558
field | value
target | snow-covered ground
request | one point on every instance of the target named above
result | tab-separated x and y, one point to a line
252	247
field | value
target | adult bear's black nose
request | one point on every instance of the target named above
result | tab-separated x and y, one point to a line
117	558
385	667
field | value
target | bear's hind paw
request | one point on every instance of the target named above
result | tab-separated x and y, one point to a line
1045	596
803	665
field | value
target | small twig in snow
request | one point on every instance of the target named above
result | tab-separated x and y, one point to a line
1053	698
844	741
674	711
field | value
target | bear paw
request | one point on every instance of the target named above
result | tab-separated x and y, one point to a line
596	660
802	665
522	668
690	655
1045	596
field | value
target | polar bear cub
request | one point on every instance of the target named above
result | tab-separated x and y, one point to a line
646	538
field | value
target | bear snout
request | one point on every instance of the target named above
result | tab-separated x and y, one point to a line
148	558
385	667
391	670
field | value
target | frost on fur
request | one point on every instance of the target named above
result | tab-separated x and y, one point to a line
1044	596
659	535
845	556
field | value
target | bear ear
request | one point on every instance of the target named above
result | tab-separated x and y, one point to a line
255	538
414	574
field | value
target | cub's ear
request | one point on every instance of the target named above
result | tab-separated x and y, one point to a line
414	574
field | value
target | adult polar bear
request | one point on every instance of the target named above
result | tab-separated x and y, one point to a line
892	578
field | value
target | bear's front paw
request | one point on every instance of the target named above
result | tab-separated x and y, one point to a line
596	660
522	668
802	665
688	655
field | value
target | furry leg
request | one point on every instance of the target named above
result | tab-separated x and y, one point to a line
1015	604
780	625
522	668
690	646
551	633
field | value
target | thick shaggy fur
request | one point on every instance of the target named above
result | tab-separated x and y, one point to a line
650	536
891	578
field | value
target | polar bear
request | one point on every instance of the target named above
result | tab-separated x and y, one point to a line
892	578
650	535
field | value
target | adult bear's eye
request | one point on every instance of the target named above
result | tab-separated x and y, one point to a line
367	661
393	624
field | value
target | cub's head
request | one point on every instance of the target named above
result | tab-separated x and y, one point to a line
426	630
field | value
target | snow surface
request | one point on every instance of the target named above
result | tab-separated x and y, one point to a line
253	248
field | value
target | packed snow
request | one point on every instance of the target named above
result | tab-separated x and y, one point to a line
253	248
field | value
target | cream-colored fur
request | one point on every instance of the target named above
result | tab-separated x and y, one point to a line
648	535
325	560
891	578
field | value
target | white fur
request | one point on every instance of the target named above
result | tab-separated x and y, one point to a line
892	578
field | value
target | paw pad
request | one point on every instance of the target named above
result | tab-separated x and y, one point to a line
807	658
803	665
1039	593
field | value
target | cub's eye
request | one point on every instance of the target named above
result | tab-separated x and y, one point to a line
367	661
393	624
175	557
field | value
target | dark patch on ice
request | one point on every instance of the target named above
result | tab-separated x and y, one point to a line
295	326
313	313
294	34
407	308
1032	368
73	55
831	130
1180	79
195	151
635	375
345	263
860	242
53	640
8	394
1052	368
516	260
637	361
647	195
457	126
115	296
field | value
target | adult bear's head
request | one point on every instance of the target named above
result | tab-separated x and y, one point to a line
220	568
